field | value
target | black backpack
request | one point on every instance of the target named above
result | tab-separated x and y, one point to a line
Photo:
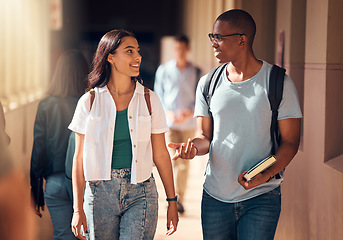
69	163
276	80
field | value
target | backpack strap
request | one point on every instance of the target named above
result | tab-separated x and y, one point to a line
276	82
197	72
92	92
147	98
210	85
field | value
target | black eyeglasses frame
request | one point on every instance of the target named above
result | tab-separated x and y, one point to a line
218	38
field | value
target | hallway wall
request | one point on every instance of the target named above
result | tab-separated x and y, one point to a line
24	75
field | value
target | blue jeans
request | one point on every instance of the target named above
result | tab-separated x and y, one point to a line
117	209
254	218
60	206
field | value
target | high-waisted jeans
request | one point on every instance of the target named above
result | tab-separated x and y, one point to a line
255	218
117	209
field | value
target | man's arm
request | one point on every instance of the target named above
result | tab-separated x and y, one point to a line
199	145
203	142
290	139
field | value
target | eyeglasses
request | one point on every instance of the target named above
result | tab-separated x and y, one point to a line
217	38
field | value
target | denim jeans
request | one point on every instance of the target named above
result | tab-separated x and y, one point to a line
254	218
59	205
117	209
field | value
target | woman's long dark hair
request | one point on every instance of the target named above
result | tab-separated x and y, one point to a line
101	71
70	76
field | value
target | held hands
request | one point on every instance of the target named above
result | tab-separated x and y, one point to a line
256	181
79	219
172	218
184	150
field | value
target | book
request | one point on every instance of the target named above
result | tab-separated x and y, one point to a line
259	167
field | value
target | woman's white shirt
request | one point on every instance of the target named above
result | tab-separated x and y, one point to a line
98	123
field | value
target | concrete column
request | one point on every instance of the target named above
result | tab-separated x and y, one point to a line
199	16
323	117
334	96
264	14
291	18
2	49
8	91
25	51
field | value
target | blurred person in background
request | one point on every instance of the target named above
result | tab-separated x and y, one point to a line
15	207
175	83
51	136
119	130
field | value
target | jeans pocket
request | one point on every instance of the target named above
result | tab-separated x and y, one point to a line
94	186
276	192
150	180
94	183
205	194
149	187
54	185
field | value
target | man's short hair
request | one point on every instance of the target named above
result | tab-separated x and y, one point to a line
242	20
182	38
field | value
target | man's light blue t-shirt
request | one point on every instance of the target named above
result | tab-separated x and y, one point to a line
241	131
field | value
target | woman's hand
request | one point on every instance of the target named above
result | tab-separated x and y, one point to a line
79	219
257	180
172	218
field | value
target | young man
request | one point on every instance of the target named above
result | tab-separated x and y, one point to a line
237	136
175	83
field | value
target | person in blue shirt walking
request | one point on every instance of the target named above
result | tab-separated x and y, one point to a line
237	136
175	83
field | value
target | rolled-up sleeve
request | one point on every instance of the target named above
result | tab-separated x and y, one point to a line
289	106
158	118
201	107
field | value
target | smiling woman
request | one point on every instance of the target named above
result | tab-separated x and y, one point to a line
110	44
116	147
125	63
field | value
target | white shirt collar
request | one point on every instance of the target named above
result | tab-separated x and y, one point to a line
139	89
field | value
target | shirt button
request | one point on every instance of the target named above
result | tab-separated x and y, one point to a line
130	117
136	161
134	145
131	130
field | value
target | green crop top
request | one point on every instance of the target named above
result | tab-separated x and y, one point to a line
122	147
